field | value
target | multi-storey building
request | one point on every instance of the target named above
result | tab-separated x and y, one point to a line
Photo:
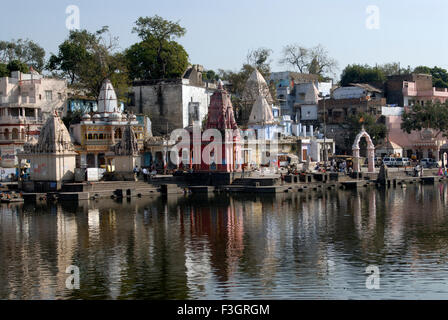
26	101
292	91
411	89
172	103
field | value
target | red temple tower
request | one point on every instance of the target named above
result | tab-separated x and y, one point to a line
226	157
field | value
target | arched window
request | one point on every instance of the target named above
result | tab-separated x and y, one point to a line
15	134
95	136
118	133
90	136
101	136
6	134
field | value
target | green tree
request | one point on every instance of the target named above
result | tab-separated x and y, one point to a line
259	58
375	128
17	65
431	115
144	62
439	75
87	59
315	60
394	68
361	74
4	72
157	56
25	51
210	75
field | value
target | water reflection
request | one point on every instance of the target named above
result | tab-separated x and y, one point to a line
287	246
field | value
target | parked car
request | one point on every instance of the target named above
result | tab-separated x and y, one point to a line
429	163
402	162
389	161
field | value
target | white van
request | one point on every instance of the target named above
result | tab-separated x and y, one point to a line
402	162
389	161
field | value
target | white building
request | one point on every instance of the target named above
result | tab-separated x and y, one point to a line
172	104
26	101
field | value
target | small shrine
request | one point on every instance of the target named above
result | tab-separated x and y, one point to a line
124	155
52	158
98	132
370	152
262	120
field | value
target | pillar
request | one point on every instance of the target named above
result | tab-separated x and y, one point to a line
371	157
356	166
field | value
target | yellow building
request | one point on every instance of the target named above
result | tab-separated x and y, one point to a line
96	134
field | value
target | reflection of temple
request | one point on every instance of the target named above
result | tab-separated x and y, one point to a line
98	132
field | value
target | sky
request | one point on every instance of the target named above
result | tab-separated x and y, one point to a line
220	33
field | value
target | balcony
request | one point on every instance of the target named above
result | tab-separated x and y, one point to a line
17	100
20	120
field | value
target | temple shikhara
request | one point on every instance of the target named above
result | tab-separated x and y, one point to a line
222	153
52	158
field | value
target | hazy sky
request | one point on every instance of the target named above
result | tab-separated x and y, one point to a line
220	33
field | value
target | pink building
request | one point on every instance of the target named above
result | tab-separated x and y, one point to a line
423	144
412	89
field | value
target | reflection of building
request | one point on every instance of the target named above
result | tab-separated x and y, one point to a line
97	133
26	100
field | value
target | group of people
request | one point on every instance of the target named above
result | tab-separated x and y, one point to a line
342	167
145	172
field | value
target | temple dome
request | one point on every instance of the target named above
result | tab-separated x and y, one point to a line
53	138
256	86
86	117
220	111
312	94
261	112
107	100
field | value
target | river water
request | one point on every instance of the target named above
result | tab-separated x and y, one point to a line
286	246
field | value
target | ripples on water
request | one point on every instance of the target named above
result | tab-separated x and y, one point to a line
288	246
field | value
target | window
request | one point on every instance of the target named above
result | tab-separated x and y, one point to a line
60	96
131	99
49	95
117	134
